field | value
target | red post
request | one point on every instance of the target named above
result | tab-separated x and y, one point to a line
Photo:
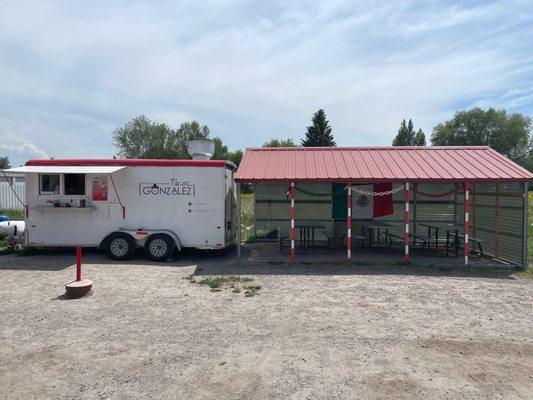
349	222
78	263
293	229
407	218
467	221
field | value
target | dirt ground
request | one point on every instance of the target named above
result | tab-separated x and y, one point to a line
313	332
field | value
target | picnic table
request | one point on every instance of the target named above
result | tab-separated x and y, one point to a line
378	226
448	227
307	234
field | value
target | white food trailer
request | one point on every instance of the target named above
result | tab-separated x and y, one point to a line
121	204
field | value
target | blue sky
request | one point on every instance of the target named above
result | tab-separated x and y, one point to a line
72	72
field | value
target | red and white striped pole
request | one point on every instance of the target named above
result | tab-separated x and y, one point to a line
293	229
407	217
467	221
349	222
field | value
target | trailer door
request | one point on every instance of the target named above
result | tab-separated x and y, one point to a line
230	207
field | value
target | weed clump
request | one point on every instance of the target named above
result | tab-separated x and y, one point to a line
252	290
234	282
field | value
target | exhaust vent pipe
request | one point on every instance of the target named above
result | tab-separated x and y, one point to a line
201	149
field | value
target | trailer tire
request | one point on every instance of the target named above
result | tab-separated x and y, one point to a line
119	246
159	247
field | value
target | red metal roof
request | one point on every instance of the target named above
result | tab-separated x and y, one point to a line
378	164
129	162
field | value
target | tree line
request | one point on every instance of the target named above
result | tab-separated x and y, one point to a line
143	138
509	134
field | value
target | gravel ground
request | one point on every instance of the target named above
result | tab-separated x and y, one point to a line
314	332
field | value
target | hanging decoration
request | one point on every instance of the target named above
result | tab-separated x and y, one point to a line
314	194
373	200
368	201
437	195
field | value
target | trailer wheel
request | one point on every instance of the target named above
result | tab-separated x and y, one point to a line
159	247
120	246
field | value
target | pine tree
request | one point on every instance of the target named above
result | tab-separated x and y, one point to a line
408	137
319	134
420	138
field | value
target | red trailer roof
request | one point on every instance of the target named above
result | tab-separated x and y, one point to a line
129	162
378	164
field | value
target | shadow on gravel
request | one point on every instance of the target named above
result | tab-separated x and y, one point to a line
303	269
26	264
347	269
225	262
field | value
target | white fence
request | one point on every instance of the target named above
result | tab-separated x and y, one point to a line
8	200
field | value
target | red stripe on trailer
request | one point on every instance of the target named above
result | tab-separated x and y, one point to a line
407	218
467	221
126	162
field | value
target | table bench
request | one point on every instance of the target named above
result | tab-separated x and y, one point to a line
413	238
474	240
306	238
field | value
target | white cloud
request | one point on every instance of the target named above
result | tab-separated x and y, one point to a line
23	151
71	72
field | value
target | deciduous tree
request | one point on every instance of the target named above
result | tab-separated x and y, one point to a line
279	143
4	163
509	134
142	138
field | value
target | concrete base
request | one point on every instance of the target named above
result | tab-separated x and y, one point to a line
270	252
77	289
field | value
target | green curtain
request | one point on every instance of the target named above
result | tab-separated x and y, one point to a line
338	208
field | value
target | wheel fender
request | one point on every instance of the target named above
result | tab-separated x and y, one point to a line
174	237
104	240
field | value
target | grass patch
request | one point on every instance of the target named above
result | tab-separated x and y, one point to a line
525	273
251	290
15	215
234	282
20	250
5	248
219	281
247	217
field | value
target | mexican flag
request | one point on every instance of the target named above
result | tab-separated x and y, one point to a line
368	207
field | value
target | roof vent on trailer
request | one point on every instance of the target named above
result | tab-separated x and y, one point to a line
201	149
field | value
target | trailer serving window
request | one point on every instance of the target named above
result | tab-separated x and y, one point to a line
75	184
49	184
